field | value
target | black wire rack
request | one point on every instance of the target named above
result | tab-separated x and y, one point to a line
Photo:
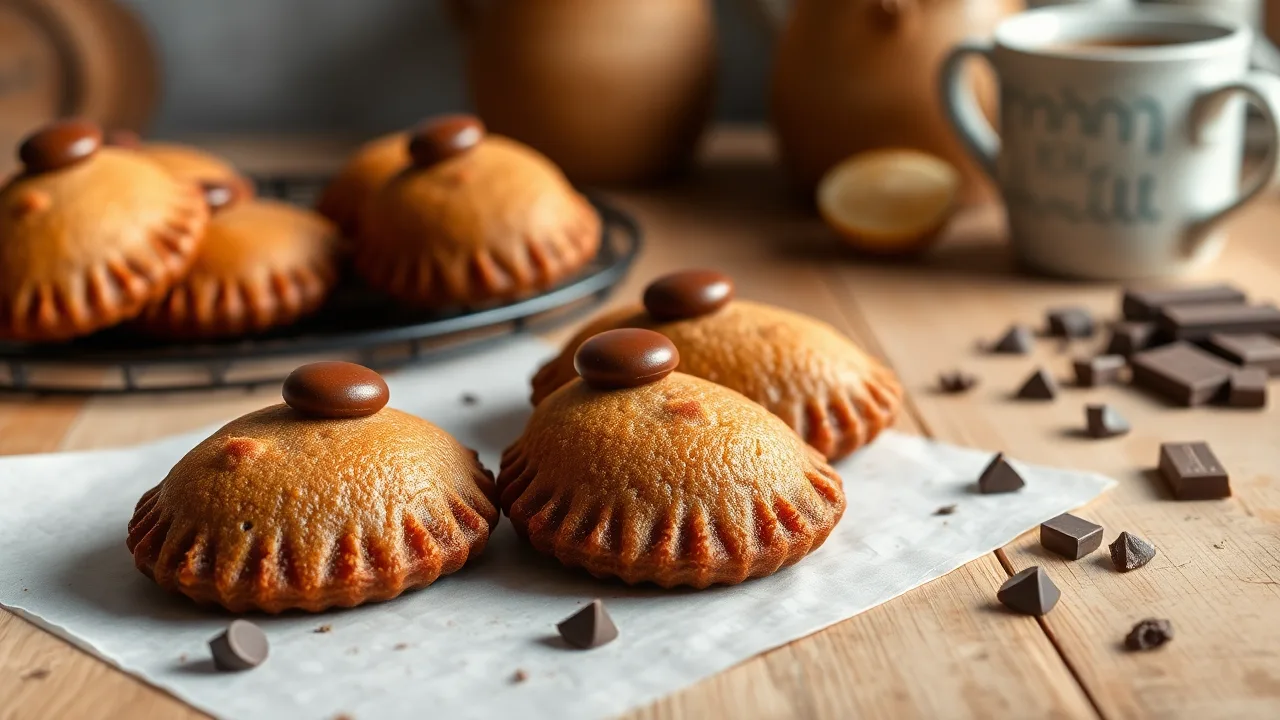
355	322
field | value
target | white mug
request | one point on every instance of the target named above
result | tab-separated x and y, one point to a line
1116	162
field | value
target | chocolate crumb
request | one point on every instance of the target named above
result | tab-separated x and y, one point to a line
1149	634
957	381
344	716
1220	546
400	646
182	658
520	676
470	399
945	510
37	674
323	629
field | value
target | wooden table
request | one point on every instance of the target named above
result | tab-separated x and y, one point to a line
943	650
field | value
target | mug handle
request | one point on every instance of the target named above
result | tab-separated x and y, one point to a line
961	106
1262	90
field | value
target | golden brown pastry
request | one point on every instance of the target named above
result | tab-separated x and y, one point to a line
264	264
372	165
647	475
835	395
199	166
89	235
474	220
328	500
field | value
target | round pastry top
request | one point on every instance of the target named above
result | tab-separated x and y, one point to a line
261	237
688	294
335	390
444	137
59	145
625	358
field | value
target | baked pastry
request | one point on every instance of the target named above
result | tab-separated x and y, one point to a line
835	395
329	500
368	169
201	167
89	235
264	264
474	220
647	475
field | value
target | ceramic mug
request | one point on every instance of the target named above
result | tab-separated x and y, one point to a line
1122	135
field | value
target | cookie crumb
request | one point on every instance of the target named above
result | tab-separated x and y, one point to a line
520	676
323	629
1219	546
470	399
945	510
182	658
400	646
1149	634
37	674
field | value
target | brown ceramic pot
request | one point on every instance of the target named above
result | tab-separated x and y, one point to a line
854	75
614	91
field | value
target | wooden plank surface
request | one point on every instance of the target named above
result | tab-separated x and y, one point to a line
943	650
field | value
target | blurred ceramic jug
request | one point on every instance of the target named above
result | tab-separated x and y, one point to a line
853	75
614	91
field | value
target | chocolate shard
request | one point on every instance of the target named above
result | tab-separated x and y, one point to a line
1103	421
1099	370
1147	304
1247	388
1254	350
1071	322
999	477
956	382
1193	471
1182	373
1131	337
1030	592
1040	386
1017	340
1149	634
242	646
1200	322
1130	552
1070	536
589	628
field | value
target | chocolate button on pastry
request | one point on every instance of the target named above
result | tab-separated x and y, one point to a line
201	167
823	385
476	219
648	475
367	170
264	264
329	500
89	235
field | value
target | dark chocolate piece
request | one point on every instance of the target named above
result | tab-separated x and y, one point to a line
957	381
470	399
1149	634
1130	552
625	358
1102	421
1255	350
1070	536
1040	386
1181	372
1128	338
1199	322
1147	304
1099	370
999	477
335	389
1193	471
1017	340
60	144
444	137
945	510
1071	322
242	646
687	294
588	628
1030	592
1247	388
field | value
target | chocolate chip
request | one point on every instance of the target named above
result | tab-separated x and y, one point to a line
59	145
588	628
957	381
1040	386
1017	340
443	138
625	358
1100	370
242	646
999	477
1070	322
1103	421
336	390
217	195
1070	536
687	294
1030	592
1193	471
1149	634
1130	552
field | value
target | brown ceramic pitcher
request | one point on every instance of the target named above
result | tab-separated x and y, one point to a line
614	91
852	75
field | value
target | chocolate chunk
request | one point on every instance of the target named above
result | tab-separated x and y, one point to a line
589	628
1193	471
957	381
444	137
1130	552
625	358
217	195
687	294
335	390
999	477
1255	350
1017	340
1247	388
1102	421
1149	634
1040	386
242	646
59	145
1147	304
1030	592
1070	322
1199	322
1070	536
945	510
1181	372
1128	338
1100	370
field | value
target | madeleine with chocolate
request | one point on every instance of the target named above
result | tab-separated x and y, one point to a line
641	473
475	219
329	500
89	235
829	390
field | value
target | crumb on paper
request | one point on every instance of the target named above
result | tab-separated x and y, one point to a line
470	399
323	629
182	658
1220	546
945	510
37	674
344	716
400	646
353	651
520	676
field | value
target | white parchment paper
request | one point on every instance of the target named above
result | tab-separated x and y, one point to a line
451	650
